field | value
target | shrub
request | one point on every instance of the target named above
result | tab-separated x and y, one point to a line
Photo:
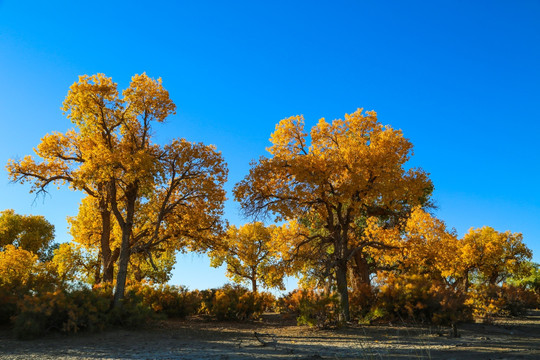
319	309
290	303
311	307
506	300
21	274
62	311
233	302
377	313
517	300
81	309
172	301
8	305
362	302
417	297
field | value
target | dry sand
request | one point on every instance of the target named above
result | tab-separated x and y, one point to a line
275	338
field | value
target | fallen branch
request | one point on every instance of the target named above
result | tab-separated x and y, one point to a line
265	343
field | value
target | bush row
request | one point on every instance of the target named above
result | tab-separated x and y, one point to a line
414	299
90	309
404	298
230	302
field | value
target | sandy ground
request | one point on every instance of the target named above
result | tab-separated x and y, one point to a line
276	338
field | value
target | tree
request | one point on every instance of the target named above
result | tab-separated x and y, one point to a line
96	237
157	195
252	254
69	158
330	184
18	269
529	278
85	228
29	232
491	256
429	247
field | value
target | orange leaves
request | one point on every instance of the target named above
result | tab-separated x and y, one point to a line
188	194
92	104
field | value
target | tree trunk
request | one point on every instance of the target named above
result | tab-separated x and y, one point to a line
466	282
493	279
125	251
362	272
341	277
106	253
138	274
110	265
123	263
253	278
254	284
97	270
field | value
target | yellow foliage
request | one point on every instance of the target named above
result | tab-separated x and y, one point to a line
492	255
28	232
162	198
330	182
429	246
252	255
19	269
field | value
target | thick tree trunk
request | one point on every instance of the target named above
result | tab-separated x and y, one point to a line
493	279
109	269
125	250
341	277
361	272
253	278
106	253
123	263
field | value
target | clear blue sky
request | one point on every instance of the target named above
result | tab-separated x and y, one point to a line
460	78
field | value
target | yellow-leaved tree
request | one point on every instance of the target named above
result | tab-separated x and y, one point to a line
252	255
429	247
490	256
171	194
328	183
29	232
85	229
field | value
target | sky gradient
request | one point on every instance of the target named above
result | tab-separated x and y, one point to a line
461	79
